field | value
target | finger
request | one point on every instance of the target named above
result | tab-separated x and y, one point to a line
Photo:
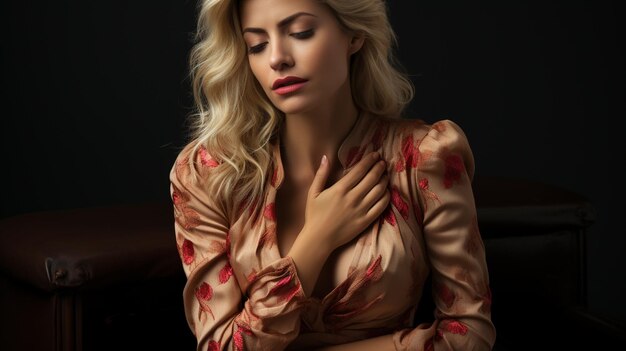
359	171
378	208
319	182
370	180
376	192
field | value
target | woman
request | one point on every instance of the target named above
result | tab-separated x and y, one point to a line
283	250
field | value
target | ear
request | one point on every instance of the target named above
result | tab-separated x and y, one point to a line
356	43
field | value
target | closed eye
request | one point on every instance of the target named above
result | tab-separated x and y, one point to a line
303	35
257	48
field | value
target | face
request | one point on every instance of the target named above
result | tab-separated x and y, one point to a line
297	51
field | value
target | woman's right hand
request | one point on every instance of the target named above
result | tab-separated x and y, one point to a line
350	205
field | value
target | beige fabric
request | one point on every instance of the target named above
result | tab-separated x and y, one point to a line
242	295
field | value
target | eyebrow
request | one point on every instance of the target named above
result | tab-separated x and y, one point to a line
284	22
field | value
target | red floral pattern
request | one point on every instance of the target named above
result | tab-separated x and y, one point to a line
238	336
354	156
389	216
213	346
285	289
354	298
188	252
427	194
445	294
205	159
399	203
204	293
454	326
187	217
454	168
350	297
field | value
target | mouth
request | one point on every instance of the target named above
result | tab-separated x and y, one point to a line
287	81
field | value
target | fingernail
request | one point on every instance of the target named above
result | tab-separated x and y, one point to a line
324	160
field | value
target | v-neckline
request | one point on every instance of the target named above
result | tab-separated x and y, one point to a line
275	251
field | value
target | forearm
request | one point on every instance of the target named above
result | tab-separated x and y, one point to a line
309	258
381	343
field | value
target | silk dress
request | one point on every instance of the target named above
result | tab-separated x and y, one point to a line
241	294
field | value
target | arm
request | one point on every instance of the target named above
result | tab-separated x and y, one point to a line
216	310
444	202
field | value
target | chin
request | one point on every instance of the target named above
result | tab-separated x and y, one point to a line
294	105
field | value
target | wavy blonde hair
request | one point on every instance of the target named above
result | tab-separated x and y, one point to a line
234	119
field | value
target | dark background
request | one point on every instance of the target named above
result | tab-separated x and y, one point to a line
95	95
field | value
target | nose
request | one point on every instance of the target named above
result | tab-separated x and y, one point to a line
280	58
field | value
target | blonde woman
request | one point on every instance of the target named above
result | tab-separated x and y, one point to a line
308	213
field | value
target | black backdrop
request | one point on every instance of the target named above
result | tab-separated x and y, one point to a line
95	95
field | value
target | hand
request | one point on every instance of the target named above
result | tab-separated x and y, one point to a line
350	205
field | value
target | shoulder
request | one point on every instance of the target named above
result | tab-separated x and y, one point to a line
194	163
416	143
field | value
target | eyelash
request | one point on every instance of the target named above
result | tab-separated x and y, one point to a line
299	35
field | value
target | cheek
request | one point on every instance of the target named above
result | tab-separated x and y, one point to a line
333	63
259	74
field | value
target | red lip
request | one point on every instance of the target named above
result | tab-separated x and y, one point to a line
286	81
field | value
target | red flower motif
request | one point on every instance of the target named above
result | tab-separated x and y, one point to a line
439	126
374	270
389	216
411	156
238	337
206	159
225	273
213	346
217	247
407	147
251	276
428	345
268	238
204	293
270	212
182	169
446	295
427	194
285	289
454	327
423	183
188	252
454	168
178	198
399	203
400	165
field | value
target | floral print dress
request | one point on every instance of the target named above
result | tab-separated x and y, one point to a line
242	295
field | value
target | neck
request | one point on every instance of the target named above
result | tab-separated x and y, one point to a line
306	137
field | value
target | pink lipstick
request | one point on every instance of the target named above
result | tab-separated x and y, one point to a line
287	85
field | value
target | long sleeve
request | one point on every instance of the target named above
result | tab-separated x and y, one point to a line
267	315
444	204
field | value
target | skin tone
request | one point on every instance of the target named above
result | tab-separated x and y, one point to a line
302	38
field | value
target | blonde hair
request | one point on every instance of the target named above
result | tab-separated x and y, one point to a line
233	118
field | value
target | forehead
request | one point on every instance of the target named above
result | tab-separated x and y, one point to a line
267	13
